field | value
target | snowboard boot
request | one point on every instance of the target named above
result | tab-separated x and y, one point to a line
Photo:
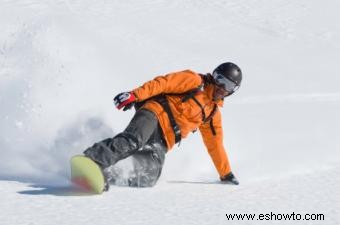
107	178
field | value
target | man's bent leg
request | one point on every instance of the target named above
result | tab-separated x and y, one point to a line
148	162
134	137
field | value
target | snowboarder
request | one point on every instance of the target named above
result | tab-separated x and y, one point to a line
167	109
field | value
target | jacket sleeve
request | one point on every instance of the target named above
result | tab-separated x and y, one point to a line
214	144
178	82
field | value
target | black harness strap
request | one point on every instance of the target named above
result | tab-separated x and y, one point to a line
204	118
191	93
210	117
161	99
212	127
212	113
200	105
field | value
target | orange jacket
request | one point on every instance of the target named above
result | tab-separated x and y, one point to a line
188	114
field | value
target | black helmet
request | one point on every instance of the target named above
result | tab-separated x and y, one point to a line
230	71
228	75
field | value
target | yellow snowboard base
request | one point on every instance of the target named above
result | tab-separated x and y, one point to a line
86	174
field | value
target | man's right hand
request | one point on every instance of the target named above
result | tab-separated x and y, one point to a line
229	179
125	99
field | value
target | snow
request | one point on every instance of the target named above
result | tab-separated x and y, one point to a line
61	63
173	201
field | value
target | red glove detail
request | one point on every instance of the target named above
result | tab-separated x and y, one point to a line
125	99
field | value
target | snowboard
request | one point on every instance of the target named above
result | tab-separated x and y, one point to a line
86	174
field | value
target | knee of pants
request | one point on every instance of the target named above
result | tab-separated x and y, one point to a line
156	150
147	170
125	144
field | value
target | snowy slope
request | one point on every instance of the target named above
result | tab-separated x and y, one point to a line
61	62
174	201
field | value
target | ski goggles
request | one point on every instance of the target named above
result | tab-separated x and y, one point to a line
225	83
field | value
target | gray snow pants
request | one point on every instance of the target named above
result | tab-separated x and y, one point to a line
142	140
